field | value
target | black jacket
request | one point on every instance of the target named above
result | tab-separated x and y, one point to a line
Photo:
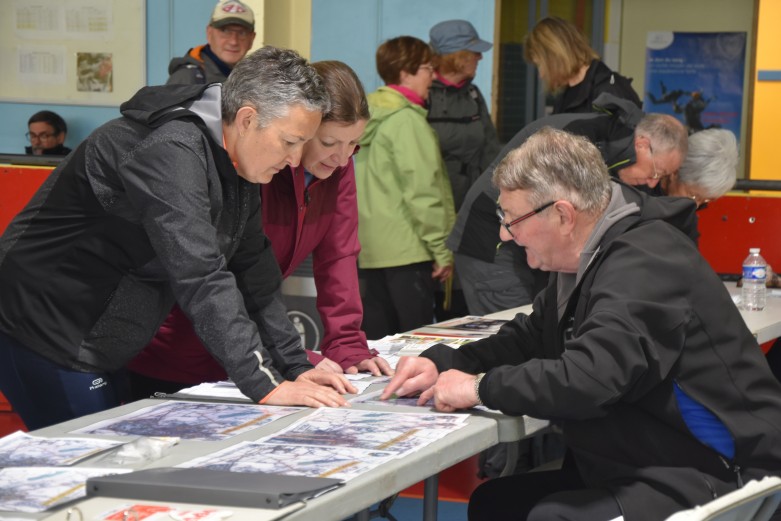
149	210
599	79
648	313
59	150
467	136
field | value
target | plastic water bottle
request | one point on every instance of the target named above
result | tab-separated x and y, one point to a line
754	293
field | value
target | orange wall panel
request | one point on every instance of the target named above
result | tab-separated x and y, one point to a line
766	109
17	186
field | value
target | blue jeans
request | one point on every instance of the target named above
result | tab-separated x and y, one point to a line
43	393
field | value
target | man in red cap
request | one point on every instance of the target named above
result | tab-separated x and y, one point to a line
230	34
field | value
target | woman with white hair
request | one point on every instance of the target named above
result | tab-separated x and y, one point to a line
709	169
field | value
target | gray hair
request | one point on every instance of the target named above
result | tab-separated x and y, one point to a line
711	163
553	165
666	133
271	80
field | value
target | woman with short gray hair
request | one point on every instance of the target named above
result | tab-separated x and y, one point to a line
292	81
156	208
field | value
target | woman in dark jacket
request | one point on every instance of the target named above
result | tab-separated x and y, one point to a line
570	68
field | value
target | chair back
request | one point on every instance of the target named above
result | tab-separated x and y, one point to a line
756	501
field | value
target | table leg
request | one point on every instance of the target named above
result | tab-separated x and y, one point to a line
430	498
512	459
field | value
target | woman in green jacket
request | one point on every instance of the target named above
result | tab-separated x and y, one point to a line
405	204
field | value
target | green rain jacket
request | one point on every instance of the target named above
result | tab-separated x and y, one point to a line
405	204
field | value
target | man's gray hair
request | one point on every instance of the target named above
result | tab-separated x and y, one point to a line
555	165
271	80
711	163
666	133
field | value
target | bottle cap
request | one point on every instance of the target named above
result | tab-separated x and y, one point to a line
753	250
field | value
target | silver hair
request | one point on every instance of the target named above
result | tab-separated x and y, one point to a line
553	165
666	133
711	163
271	80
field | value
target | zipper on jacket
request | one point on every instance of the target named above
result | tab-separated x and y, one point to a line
736	469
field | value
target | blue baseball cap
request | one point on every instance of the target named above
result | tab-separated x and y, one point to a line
456	35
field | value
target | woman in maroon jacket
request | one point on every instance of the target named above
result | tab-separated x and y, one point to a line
308	209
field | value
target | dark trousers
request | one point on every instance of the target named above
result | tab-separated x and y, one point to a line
541	496
396	299
43	393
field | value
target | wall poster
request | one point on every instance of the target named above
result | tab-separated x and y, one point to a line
696	77
85	52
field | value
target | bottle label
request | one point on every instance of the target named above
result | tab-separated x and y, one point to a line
754	272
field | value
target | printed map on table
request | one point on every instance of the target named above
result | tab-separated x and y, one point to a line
190	420
472	323
225	390
23	450
397	432
374	399
342	463
35	489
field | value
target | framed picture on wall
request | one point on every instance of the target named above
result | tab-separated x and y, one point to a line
72	51
698	77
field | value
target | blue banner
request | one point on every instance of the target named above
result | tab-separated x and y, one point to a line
696	77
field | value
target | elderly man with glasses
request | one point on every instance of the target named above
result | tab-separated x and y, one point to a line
634	350
229	36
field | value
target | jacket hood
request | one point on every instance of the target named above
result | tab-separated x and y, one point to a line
679	212
383	103
619	148
155	106
193	58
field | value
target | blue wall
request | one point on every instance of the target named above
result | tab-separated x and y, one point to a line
351	30
164	41
347	30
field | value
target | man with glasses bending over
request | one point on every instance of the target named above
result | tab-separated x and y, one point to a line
635	350
46	132
639	149
230	34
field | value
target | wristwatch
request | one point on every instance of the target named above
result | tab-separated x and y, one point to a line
478	379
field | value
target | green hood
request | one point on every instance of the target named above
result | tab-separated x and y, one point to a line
383	103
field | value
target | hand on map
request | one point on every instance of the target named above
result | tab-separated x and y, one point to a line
320	377
329	366
306	393
376	366
413	375
453	390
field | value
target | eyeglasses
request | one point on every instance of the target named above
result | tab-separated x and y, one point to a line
240	34
656	175
43	136
427	66
507	226
653	163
